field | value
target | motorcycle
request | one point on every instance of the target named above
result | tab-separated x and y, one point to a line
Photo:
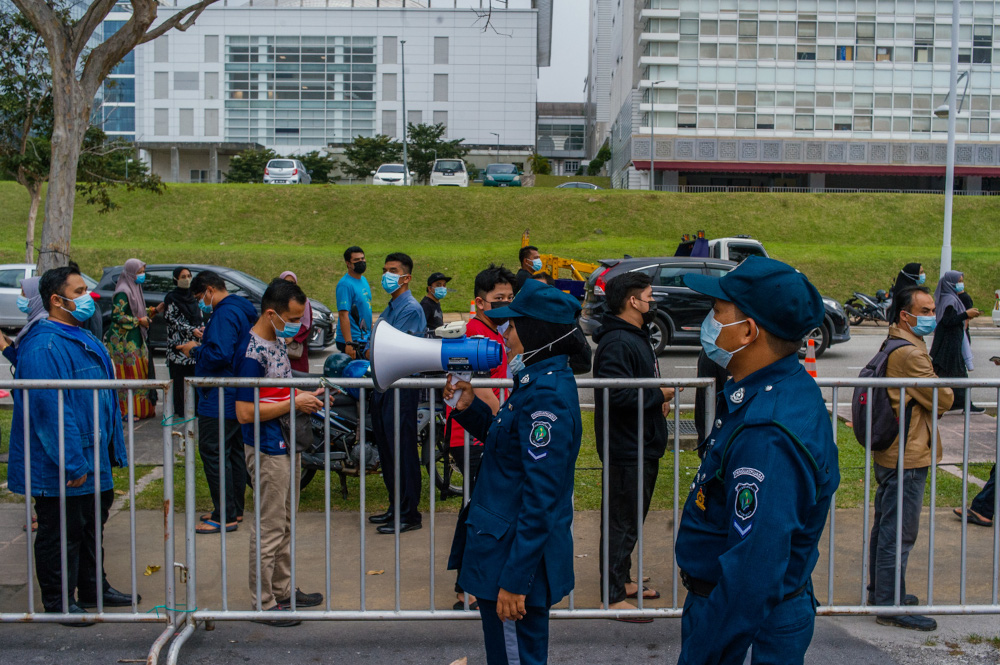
862	307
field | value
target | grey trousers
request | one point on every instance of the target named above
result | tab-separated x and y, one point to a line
882	549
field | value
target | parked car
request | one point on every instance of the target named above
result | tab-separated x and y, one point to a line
578	185
449	173
160	280
11	275
391	174
679	310
502	175
286	172
735	249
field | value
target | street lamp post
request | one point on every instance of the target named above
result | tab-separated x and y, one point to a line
652	139
406	161
498	144
949	177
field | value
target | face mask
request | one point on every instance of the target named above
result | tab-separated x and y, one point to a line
925	325
710	331
536	265
502	328
440	292
184	283
517	364
290	330
360	267
649	316
23	304
960	287
85	307
390	282
139	279
922	279
206	309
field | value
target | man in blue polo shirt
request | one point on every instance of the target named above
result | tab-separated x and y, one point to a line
403	313
354	303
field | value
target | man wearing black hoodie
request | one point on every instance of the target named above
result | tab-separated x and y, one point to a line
624	350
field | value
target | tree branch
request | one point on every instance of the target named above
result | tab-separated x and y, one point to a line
110	52
44	18
84	29
178	21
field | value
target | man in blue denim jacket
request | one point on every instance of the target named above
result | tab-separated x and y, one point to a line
58	348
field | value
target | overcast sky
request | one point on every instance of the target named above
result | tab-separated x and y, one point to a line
563	81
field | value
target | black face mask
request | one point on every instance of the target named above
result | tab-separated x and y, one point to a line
360	267
650	316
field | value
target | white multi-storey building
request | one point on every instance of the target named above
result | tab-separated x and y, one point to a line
802	93
302	75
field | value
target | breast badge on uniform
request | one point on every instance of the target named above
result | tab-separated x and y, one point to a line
541	435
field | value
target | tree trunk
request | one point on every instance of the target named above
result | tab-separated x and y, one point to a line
35	191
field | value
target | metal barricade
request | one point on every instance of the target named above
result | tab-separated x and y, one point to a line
165	606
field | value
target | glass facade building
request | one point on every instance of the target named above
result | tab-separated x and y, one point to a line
115	108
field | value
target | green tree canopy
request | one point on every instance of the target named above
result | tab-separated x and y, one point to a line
248	166
319	166
423	141
539	165
365	155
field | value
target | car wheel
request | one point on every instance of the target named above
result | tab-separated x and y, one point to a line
821	336
659	334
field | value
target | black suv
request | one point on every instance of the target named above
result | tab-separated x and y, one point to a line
160	280
680	311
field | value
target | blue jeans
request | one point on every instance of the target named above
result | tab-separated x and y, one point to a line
882	549
983	503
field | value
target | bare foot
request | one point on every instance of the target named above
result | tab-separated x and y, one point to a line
632	589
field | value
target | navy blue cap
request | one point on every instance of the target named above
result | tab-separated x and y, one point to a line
538	300
777	296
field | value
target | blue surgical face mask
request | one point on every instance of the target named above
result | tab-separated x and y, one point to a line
925	325
710	331
205	308
922	279
85	307
515	364
536	265
290	330
139	279
960	287
23	304
390	282
440	292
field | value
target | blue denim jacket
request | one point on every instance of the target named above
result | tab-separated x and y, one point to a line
49	352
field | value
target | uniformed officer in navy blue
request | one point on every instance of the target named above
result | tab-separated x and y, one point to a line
514	546
748	536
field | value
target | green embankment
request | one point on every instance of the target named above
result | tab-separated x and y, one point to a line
842	241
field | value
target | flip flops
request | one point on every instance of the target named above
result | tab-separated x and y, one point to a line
460	605
973	517
207	517
656	594
215	527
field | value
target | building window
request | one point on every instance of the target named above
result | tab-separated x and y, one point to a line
185	80
161	49
923	54
126	66
211	48
161	122
388	50
440	50
119	90
389	123
211	122
389	87
211	85
414	117
119	119
186	122
441	118
570	167
842	124
883	53
161	85
440	87
982	42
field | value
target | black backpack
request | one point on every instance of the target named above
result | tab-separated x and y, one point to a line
885	423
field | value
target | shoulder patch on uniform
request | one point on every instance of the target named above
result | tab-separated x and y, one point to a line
544	414
747	471
536	457
541	434
746	500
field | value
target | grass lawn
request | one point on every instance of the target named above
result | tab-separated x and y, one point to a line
842	241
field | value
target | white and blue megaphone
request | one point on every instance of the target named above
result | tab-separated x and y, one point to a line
395	354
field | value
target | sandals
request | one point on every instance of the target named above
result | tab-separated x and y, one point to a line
207	517
973	517
215	527
460	605
656	594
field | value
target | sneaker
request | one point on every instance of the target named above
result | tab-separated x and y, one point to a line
976	409
278	623
909	621
302	599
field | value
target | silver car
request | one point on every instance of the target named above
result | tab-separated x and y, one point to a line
11	275
286	172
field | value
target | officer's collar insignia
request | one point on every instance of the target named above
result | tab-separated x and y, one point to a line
737	396
525	379
746	500
541	434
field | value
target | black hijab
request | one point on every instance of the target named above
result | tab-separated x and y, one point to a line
536	334
906	279
183	300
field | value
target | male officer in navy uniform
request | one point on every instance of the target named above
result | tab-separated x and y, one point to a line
514	545
748	537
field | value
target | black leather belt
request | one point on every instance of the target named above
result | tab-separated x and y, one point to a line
703	588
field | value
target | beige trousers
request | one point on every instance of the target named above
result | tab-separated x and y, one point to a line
276	506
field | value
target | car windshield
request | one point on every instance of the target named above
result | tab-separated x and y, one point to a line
501	169
390	168
281	164
448	165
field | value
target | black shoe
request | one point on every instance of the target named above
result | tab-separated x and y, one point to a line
112	598
910	621
976	409
908	599
73	609
302	599
278	623
403	527
381	518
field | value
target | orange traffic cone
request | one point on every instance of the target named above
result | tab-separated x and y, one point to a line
811	358
472	309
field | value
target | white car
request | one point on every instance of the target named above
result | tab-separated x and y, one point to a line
11	275
391	174
449	173
286	172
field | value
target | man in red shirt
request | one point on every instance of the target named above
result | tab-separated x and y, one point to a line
494	287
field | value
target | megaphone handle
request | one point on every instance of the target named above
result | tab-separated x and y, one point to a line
455	378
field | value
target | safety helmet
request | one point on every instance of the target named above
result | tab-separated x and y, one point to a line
335	364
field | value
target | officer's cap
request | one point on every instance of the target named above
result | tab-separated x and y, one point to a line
777	296
539	301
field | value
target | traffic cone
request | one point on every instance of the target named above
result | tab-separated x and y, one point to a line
472	309
811	358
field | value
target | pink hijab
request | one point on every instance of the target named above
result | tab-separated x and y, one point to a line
307	318
131	288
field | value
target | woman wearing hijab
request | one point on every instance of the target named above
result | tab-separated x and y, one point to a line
29	302
911	275
184	324
946	351
126	338
299	343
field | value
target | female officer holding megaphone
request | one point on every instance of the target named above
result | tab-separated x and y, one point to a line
514	544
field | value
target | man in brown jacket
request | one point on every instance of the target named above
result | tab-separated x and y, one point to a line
914	320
